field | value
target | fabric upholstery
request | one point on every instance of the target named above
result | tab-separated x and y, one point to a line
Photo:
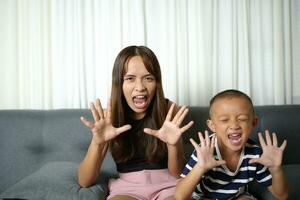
55	180
40	150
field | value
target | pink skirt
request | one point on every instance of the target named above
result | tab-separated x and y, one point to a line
143	185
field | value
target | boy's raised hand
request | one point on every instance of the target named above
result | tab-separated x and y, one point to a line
102	128
205	153
170	132
272	154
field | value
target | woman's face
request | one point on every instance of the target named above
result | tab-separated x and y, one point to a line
139	87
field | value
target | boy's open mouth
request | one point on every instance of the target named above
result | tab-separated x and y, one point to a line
235	138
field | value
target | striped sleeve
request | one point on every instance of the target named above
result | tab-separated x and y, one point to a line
263	176
190	164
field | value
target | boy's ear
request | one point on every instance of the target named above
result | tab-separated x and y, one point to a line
210	125
255	121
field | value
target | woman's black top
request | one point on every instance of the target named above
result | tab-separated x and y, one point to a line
138	162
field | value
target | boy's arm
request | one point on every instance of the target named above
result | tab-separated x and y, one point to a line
186	186
272	159
205	161
279	187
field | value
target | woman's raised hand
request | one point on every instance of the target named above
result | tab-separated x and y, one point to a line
102	128
170	132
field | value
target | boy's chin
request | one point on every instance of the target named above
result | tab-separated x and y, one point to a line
234	146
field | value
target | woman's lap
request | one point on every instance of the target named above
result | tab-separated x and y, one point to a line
143	185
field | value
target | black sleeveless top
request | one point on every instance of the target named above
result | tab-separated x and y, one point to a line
138	162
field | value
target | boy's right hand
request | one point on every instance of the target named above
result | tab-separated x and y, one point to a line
102	128
205	153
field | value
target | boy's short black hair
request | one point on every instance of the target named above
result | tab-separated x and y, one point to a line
230	94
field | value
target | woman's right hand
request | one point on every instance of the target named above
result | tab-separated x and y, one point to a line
102	128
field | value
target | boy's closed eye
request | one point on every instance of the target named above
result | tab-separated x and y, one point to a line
243	119
223	120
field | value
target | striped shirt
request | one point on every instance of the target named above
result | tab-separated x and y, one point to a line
221	183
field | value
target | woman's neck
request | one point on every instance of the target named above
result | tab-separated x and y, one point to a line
138	116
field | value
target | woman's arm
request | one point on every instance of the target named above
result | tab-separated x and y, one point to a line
89	168
176	158
103	131
170	133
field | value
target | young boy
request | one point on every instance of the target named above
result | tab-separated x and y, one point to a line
222	165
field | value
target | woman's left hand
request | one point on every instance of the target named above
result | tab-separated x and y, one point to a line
170	132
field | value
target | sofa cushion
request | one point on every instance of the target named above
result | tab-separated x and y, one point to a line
292	173
55	180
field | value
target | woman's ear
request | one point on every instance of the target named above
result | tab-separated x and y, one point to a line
210	125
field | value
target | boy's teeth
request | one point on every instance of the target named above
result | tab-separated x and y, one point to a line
234	135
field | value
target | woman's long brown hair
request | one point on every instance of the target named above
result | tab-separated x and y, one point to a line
122	147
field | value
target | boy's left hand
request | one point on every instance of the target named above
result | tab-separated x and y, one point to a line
272	154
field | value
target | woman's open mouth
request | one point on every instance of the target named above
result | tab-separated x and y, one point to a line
140	101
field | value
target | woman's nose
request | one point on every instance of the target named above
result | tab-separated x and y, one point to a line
139	85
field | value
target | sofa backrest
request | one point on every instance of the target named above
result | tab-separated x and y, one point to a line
285	121
31	138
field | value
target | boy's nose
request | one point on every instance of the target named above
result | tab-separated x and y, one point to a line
234	124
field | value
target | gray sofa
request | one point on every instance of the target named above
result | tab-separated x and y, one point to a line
40	151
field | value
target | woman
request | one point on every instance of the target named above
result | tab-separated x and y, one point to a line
143	136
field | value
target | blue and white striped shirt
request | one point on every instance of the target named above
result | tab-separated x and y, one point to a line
221	183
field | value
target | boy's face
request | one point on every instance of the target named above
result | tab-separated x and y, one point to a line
232	120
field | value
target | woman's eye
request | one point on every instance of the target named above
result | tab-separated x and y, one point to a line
149	78
128	78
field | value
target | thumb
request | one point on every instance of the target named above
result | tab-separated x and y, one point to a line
149	131
221	162
122	129
254	160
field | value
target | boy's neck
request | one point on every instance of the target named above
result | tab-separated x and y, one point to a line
232	158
